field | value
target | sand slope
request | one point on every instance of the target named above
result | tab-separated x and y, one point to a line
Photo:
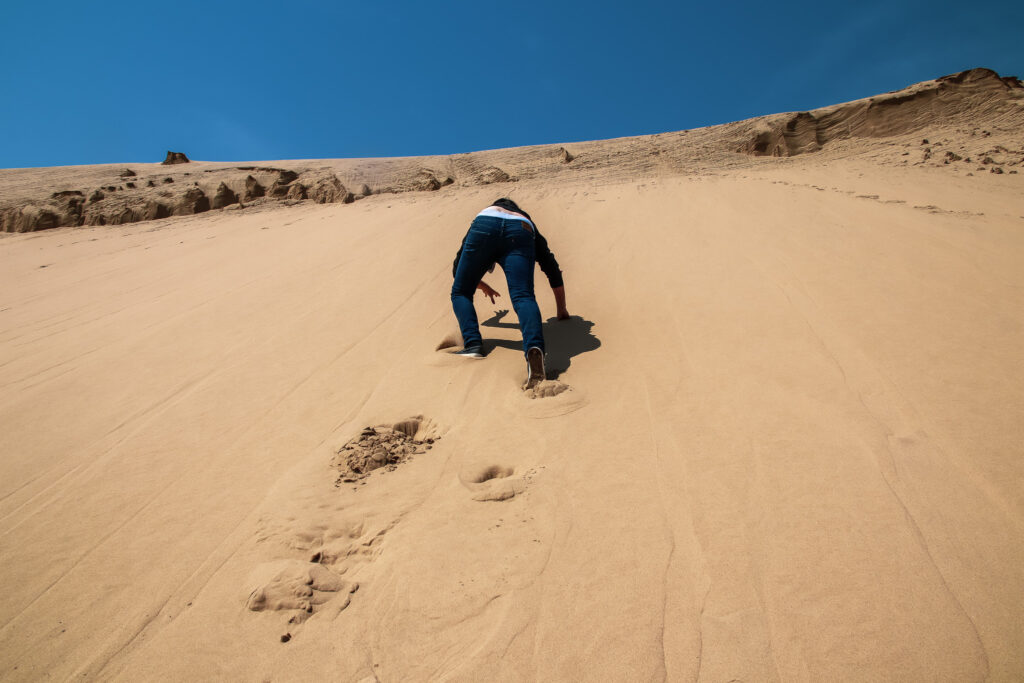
790	448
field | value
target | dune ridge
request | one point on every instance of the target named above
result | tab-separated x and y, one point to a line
33	199
780	439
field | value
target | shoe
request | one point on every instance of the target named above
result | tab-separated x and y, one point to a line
534	368
476	351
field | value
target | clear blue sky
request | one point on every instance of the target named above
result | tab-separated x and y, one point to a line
113	81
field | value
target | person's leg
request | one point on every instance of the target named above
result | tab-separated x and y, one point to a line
477	257
517	260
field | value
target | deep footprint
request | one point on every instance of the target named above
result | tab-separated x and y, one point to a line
547	389
492	482
449	341
384	446
491	472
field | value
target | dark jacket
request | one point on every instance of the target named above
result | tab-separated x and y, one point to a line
545	259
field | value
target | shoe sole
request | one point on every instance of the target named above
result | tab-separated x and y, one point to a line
535	366
468	355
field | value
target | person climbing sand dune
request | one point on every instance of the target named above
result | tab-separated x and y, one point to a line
503	234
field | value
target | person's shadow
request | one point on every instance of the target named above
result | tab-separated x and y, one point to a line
564	339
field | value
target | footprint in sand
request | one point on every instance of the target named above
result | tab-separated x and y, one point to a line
332	542
384	446
311	587
442	355
546	389
449	341
302	587
492	482
549	398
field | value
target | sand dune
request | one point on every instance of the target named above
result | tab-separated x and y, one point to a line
782	438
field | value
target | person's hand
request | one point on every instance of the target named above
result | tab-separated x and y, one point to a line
487	290
563	314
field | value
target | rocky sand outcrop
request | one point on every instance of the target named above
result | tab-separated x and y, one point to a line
894	113
114	195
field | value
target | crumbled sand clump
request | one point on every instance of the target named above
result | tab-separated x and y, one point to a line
377	447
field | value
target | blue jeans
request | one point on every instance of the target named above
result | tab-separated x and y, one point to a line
509	244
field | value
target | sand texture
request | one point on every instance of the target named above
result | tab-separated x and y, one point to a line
781	439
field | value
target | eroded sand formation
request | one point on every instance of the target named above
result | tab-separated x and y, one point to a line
32	200
781	438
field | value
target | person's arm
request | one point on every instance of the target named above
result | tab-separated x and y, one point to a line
548	264
563	312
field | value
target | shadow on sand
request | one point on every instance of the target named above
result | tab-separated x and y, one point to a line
564	339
